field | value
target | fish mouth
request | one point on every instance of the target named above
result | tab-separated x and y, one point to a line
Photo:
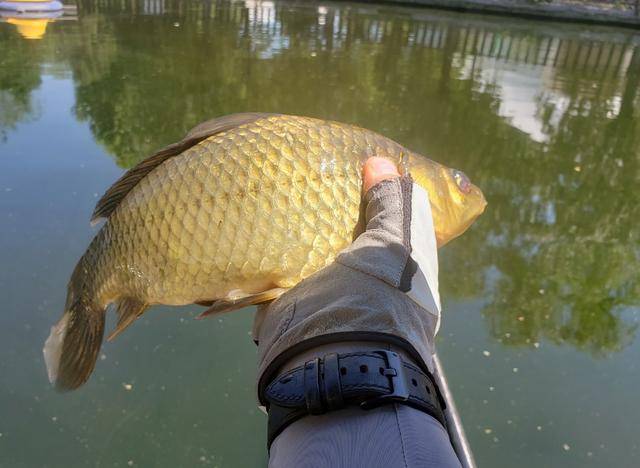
477	206
482	202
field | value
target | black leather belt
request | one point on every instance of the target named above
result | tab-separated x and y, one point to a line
368	379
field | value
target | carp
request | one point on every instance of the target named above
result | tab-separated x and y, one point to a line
243	208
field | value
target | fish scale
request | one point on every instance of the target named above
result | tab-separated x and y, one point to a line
265	240
242	206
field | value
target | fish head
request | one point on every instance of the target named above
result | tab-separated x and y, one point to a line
455	201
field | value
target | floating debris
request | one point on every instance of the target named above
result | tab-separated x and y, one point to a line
127	386
486	353
488	430
515	369
566	447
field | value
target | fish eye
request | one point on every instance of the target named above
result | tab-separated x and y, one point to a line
462	181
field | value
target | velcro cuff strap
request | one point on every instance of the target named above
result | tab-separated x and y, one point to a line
368	379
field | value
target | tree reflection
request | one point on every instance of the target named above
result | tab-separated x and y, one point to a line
560	244
19	76
555	255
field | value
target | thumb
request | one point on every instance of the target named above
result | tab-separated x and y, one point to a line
382	250
386	197
376	170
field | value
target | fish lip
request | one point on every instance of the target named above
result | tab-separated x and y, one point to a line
485	203
475	191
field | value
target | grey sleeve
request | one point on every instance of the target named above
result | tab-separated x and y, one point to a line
391	436
358	302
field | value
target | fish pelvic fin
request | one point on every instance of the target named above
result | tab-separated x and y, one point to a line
227	305
71	350
128	309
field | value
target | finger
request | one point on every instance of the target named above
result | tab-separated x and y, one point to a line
376	170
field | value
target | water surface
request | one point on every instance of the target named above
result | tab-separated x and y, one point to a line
541	296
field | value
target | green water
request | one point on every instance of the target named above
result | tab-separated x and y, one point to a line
541	296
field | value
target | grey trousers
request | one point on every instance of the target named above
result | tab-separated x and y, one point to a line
386	437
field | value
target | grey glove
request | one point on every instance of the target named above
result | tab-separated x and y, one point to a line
382	288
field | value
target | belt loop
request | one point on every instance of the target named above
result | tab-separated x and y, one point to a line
311	384
332	387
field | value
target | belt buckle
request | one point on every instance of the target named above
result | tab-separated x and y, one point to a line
395	372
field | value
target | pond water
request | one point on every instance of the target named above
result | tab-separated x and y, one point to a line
541	296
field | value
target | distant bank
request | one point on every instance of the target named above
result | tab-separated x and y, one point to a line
612	12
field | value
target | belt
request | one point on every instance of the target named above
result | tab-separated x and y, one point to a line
366	379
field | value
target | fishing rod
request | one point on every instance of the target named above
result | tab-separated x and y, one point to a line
454	423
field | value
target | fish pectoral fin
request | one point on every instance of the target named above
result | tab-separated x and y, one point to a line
129	309
205	303
227	305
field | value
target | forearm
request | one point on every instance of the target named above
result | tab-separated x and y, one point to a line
337	394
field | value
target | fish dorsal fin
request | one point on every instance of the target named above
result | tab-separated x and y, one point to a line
114	195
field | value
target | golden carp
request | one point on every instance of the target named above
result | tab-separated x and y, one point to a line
242	208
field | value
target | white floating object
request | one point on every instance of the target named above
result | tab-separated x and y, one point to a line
31	6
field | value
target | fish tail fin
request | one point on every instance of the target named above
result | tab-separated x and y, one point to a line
71	350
